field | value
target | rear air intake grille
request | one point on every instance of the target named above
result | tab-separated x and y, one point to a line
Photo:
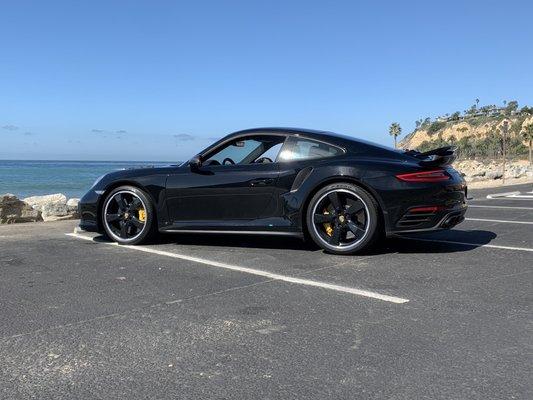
418	216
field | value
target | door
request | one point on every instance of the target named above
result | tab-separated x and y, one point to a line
235	182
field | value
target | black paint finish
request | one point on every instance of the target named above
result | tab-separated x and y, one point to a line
273	196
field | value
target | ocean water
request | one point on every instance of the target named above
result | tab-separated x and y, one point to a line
72	178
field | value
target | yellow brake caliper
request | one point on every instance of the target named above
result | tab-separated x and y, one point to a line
142	215
327	225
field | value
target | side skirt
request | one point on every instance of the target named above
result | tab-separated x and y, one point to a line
234	232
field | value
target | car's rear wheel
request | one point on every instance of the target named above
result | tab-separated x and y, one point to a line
128	216
342	218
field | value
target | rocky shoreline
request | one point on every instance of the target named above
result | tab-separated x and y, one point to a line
52	207
55	207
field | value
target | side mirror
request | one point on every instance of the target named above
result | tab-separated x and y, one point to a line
195	162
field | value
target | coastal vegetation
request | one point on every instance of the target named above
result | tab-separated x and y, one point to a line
478	132
395	130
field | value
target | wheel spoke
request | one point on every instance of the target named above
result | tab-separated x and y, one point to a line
335	238
323	218
335	200
137	223
135	204
354	208
356	230
121	202
123	230
112	217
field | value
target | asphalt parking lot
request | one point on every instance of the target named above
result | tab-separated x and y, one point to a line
445	315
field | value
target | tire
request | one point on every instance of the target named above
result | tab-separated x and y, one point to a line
343	218
122	217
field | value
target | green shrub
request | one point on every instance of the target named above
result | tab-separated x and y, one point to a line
436	126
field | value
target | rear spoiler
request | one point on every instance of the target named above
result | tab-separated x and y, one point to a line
435	158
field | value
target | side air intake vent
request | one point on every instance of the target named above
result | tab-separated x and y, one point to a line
300	178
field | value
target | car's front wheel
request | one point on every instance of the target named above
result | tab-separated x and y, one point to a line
128	215
342	218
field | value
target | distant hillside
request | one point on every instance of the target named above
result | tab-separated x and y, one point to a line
476	132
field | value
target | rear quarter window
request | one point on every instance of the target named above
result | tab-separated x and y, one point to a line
307	149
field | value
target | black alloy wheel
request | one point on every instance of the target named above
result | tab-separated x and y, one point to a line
342	218
127	215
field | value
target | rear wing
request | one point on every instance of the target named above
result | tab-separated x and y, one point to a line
435	158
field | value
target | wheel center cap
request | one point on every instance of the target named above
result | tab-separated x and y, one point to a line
126	215
341	219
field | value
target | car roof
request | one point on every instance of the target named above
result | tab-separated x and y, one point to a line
350	144
338	139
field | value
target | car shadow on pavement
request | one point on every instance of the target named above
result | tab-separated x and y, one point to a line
235	240
451	241
420	243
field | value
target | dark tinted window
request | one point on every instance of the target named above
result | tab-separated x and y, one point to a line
256	149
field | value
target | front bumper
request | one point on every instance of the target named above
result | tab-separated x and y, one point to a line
88	210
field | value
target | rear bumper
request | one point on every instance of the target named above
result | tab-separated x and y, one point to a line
444	220
426	207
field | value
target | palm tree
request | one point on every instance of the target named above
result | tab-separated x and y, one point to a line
527	134
394	130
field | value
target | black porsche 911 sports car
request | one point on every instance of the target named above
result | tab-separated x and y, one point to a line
341	192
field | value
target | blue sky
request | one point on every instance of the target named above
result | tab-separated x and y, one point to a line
146	80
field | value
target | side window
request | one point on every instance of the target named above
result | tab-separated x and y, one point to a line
249	150
306	149
272	153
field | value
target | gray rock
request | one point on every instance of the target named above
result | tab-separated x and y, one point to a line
72	206
55	212
38	202
54	207
494	175
479	173
13	210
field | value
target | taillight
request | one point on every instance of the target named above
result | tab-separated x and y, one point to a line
436	175
430	209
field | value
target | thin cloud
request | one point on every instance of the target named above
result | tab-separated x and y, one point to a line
10	127
97	131
121	131
183	137
213	138
28	133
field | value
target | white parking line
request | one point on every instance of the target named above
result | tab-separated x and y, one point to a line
499	220
514	198
515	208
496	195
270	275
493	246
520	196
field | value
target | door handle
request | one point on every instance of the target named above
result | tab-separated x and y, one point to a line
261	182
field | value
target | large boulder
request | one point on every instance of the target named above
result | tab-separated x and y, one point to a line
72	204
14	210
54	207
37	202
55	211
72	207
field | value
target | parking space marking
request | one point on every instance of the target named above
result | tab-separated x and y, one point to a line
492	246
496	195
499	220
521	197
258	272
514	208
510	196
